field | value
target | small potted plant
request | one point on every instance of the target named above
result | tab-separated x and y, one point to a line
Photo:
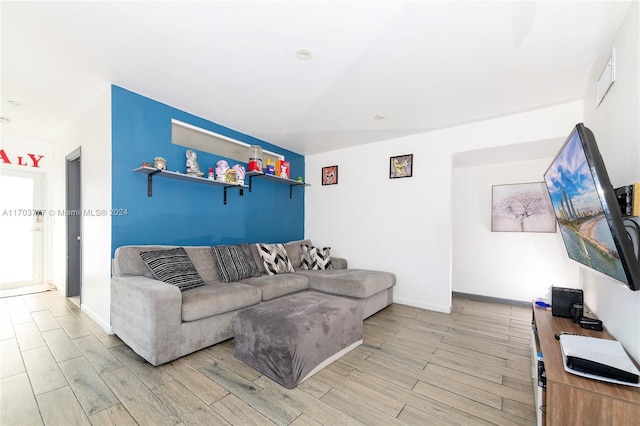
160	163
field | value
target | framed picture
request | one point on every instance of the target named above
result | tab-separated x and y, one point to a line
401	166
522	207
330	175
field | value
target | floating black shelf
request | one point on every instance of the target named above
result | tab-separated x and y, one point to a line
290	182
151	171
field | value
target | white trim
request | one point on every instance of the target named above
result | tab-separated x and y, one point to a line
103	325
219	136
437	308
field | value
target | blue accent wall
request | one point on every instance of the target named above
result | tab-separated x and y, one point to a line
187	213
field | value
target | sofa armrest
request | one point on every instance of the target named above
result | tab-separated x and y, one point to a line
338	262
146	314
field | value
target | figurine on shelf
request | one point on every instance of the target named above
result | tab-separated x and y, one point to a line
231	176
193	169
240	172
160	163
270	169
221	170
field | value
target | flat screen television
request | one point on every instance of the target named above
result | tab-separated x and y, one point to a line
587	210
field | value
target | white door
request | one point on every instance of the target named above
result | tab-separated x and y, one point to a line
21	229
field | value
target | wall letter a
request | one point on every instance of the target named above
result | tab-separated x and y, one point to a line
4	157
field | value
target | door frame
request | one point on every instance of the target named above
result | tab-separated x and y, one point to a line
73	204
37	272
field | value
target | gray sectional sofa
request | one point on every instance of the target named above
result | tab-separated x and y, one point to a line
161	323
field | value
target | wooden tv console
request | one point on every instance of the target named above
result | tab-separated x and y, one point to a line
570	399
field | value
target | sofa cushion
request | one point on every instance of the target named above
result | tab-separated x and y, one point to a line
357	283
173	266
235	262
217	298
273	286
202	259
315	258
127	261
275	258
294	251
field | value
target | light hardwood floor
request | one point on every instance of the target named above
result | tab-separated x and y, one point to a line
416	367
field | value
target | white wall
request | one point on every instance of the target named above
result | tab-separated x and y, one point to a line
405	225
91	132
510	265
616	126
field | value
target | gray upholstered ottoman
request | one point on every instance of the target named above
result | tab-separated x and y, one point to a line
290	338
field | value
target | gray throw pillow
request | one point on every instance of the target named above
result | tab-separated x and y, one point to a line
173	266
235	262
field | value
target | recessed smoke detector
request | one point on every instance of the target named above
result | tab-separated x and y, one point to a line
304	54
379	117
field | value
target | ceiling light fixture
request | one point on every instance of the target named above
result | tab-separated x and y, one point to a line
14	103
5	120
379	117
304	54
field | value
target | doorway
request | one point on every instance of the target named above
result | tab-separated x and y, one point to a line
22	229
74	225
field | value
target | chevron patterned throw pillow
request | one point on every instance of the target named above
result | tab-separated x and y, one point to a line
275	259
315	258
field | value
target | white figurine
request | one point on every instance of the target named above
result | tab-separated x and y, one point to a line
193	169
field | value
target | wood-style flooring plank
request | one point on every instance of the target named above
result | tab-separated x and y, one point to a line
186	406
17	403
6	328
358	409
60	407
61	346
92	392
201	386
43	370
11	358
147	373
73	326
45	320
372	397
430	407
97	354
495	389
312	407
239	413
143	405
28	336
470	406
116	415
271	407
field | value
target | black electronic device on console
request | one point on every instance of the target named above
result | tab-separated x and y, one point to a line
563	299
591	323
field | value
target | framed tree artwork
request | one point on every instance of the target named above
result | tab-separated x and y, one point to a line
330	175
522	207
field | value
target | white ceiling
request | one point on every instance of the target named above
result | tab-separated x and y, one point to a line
422	64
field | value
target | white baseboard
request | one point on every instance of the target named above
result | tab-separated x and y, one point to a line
437	308
103	325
